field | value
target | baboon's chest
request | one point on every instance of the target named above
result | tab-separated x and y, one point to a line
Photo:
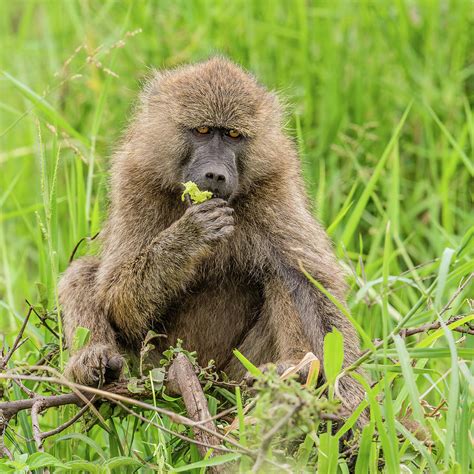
213	317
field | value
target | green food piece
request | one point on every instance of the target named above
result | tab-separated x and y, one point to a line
197	196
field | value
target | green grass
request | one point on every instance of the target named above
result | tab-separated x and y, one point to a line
381	106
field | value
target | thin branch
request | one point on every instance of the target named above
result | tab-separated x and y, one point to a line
456	294
60	428
431	326
181	436
59	380
113	392
4	451
48	357
29	393
16	344
76	248
43	320
397	330
219	415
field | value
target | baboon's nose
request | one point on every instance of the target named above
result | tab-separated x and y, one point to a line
215	177
216	182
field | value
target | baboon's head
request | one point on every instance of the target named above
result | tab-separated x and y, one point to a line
207	123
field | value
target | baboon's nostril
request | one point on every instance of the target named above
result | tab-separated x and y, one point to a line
220	177
210	175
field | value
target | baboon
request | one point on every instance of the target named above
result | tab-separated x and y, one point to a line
219	275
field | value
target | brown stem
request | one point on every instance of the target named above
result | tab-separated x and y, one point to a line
9	409
60	428
436	325
36	409
112	392
182	380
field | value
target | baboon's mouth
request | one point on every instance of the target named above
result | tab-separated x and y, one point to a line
218	195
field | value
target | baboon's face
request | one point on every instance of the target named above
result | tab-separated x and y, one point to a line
213	159
213	124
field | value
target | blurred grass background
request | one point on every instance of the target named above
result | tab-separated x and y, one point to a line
348	70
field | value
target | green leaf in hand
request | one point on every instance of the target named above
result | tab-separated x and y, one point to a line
196	195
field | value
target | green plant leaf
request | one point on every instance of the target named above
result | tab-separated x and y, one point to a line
133	387
333	354
363	456
121	461
252	369
214	461
85	439
157	377
81	338
82	466
37	460
409	379
46	109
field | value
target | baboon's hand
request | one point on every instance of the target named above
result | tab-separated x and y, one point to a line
95	365
281	367
211	221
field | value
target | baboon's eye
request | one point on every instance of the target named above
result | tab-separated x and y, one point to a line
233	133
202	130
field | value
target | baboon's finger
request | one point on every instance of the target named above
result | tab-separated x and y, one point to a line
211	204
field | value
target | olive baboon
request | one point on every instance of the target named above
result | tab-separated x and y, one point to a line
219	275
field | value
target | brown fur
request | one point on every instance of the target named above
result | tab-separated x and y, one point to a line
159	267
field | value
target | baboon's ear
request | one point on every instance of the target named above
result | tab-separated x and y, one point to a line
278	105
151	86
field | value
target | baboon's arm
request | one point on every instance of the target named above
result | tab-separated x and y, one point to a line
294	301
77	297
280	313
300	316
136	286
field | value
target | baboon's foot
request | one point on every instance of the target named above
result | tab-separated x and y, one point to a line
350	393
95	365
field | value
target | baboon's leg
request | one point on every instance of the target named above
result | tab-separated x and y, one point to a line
300	317
278	338
99	360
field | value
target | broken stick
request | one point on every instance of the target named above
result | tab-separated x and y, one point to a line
183	381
